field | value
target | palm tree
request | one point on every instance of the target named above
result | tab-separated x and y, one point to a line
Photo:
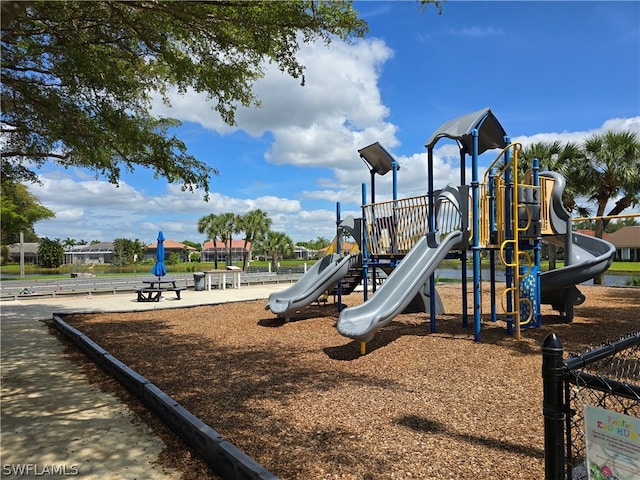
319	243
254	224
69	242
561	158
276	244
556	157
229	224
210	225
139	249
610	170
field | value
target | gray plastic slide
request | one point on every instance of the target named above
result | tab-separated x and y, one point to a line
585	256
362	321
323	275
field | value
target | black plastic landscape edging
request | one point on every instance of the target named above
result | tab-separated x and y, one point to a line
223	457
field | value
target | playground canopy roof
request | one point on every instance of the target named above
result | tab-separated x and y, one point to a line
490	131
378	158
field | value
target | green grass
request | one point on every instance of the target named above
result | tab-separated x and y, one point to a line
140	269
616	267
144	269
629	268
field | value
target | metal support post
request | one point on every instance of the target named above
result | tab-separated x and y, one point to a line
553	407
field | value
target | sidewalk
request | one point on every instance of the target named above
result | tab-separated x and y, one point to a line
52	419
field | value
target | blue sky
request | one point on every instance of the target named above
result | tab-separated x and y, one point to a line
548	70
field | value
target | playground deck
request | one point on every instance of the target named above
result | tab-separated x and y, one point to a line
298	398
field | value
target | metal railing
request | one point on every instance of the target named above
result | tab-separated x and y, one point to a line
25	289
394	227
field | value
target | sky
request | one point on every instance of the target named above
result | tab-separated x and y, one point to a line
548	71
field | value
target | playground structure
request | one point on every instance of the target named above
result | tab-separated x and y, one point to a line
505	214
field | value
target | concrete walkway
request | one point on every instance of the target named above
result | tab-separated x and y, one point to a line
52	420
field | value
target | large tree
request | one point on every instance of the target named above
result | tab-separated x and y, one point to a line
276	245
230	225
610	171
50	253
78	77
127	251
211	226
254	224
558	157
19	212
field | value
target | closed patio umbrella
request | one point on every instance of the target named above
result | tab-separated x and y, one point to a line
159	269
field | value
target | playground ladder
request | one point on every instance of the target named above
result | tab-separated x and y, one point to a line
510	207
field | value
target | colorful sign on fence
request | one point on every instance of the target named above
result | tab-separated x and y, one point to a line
613	444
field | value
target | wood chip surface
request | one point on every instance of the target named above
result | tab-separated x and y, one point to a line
300	399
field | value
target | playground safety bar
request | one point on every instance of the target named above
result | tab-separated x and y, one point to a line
222	456
395	226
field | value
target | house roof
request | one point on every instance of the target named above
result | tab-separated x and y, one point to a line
346	247
170	245
103	247
626	237
208	245
29	247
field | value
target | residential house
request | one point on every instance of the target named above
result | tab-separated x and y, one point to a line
626	240
303	253
170	246
30	251
627	243
346	248
94	254
210	250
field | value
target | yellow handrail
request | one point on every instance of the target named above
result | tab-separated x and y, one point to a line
515	262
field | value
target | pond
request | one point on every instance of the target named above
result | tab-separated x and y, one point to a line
610	279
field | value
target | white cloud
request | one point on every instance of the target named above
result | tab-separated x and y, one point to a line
92	209
337	111
616	124
319	126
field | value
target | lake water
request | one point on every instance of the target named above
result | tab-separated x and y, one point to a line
610	279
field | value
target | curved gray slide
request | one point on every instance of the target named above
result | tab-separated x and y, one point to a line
589	257
362	321
585	256
323	275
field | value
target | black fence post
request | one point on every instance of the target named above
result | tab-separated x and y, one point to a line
552	407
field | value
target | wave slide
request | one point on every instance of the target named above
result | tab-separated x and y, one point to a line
396	293
585	256
323	275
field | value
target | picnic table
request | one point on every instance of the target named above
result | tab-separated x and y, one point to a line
153	289
222	277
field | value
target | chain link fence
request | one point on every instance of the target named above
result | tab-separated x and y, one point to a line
607	377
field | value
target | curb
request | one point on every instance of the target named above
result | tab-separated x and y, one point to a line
223	457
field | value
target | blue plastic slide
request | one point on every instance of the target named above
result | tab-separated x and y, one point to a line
323	275
362	321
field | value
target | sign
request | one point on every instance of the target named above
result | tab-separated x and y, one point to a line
613	444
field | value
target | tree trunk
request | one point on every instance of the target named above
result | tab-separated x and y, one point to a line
245	257
553	253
